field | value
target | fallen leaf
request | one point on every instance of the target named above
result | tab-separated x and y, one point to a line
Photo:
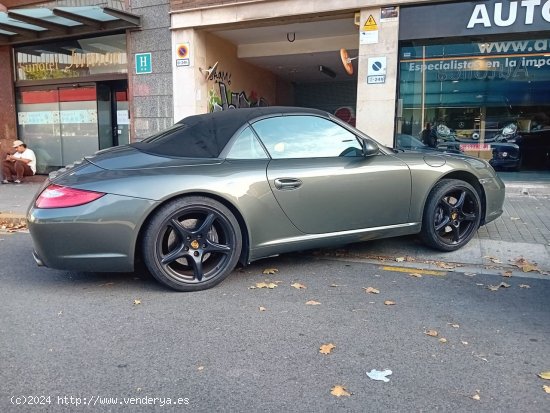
431	333
137	302
464	342
389	302
313	302
454	325
379	375
261	308
445	265
400	259
270	270
525	265
298	286
476	397
544	375
442	340
546	388
371	290
529	268
497	287
326	348
266	285
524	286
415	275
507	274
481	357
339	391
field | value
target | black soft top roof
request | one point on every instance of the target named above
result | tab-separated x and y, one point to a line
205	136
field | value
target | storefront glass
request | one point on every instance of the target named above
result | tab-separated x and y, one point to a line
493	97
59	124
63	122
72	58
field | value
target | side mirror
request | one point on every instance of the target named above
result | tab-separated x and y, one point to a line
369	148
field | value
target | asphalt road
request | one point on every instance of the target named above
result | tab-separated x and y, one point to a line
122	338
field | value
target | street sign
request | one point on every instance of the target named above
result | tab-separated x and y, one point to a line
376	72
369	32
143	63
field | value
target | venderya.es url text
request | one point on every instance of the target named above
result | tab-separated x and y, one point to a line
98	401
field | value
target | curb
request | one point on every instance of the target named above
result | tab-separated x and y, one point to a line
8	220
467	269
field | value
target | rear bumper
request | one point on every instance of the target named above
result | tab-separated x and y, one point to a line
100	236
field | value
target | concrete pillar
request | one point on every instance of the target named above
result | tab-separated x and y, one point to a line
8	123
190	85
376	103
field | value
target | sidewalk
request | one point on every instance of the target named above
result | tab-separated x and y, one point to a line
14	200
523	231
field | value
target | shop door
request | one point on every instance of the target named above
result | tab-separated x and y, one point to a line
112	112
62	124
59	123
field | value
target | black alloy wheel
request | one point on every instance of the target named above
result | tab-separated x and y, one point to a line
192	243
451	216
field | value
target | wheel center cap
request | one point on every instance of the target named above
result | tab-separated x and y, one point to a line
195	244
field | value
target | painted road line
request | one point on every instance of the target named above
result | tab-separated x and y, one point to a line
415	270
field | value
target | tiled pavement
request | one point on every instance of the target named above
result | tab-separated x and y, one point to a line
526	218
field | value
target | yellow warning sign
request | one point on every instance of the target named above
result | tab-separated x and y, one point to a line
370	25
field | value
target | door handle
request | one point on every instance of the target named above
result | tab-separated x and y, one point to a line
287	183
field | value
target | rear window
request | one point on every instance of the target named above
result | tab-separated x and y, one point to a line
186	141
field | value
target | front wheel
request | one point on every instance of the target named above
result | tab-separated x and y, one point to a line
451	216
192	243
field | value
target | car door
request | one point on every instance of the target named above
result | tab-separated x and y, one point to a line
323	182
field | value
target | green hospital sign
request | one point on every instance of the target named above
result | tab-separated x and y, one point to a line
143	63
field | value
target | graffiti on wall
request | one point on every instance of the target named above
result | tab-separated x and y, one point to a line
221	97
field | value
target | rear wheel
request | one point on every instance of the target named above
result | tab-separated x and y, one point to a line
451	216
192	243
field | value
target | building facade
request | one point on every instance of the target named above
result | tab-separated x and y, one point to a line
70	81
476	71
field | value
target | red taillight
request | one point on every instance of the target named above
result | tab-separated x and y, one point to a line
55	196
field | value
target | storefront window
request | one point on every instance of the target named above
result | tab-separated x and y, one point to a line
72	58
493	98
59	123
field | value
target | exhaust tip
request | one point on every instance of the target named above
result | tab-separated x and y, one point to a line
39	262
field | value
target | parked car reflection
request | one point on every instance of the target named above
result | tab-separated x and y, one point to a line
410	143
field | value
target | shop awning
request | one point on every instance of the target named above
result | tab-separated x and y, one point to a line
42	24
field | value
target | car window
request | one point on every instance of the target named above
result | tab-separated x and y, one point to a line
288	137
246	146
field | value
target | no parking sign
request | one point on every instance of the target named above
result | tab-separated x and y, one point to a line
377	70
182	55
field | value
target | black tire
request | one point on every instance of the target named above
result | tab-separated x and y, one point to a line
192	243
451	215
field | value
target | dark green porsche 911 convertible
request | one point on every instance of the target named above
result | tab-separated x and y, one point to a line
236	186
